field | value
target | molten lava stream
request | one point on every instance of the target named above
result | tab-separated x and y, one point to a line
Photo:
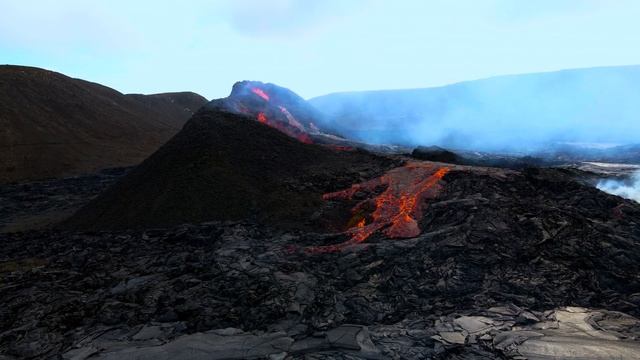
285	128
263	118
339	147
291	127
260	93
396	209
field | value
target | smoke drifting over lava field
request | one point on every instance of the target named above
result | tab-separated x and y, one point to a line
509	113
629	188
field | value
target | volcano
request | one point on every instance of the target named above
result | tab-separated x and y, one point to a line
248	238
225	166
284	110
272	105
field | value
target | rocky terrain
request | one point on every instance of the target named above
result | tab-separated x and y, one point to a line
501	253
42	204
52	125
246	238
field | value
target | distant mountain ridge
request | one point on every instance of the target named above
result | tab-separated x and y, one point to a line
506	112
52	125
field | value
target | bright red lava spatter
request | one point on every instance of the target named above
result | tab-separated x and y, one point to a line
294	132
291	126
397	208
260	93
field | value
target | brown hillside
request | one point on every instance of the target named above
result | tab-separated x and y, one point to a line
52	125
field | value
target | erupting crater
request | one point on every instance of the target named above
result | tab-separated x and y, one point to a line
396	210
287	112
281	120
273	106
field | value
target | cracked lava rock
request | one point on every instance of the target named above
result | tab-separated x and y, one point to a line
502	251
236	240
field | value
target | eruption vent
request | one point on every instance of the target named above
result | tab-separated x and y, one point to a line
273	106
396	210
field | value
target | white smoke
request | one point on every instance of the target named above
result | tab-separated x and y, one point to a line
629	189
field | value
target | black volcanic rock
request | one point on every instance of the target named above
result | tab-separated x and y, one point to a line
225	166
52	125
435	153
502	251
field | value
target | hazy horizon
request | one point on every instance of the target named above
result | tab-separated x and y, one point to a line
313	48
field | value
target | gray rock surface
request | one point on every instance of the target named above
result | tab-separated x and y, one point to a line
565	333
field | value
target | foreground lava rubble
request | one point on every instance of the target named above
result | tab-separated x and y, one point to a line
499	257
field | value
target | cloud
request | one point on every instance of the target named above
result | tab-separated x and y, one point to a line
519	10
60	25
275	18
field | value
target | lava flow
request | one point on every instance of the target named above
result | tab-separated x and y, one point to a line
397	208
294	132
260	93
289	125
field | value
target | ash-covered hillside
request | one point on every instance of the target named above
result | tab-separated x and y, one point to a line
224	166
55	126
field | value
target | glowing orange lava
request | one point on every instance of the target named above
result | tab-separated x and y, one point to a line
262	118
285	128
340	147
284	121
397	208
260	93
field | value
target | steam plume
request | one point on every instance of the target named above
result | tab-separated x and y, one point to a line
629	189
518	112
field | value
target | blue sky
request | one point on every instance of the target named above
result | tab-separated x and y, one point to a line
313	47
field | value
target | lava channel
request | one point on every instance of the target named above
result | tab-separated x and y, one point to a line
292	131
397	208
291	126
260	93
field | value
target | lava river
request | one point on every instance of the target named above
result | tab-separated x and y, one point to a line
396	210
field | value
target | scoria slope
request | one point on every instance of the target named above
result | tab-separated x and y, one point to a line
52	125
224	166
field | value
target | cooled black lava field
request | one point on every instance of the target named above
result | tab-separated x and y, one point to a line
238	240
